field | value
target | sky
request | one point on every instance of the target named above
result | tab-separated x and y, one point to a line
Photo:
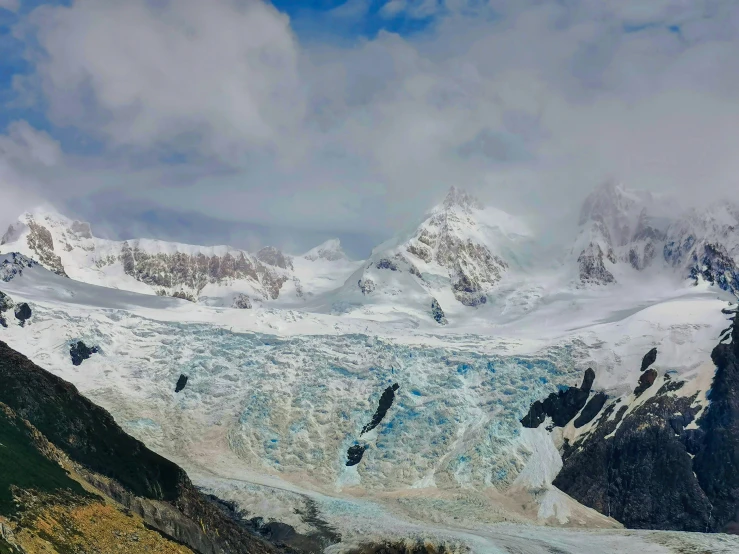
294	121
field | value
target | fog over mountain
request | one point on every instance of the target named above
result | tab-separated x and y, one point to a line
354	114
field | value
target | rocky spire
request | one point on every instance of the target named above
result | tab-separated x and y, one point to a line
460	198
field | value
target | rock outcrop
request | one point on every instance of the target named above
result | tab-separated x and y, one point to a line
648	463
13	264
386	401
6	304
23	312
354	454
437	313
181	382
242	302
648	359
646	380
561	406
80	352
367	286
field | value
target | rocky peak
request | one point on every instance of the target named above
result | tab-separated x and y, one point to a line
272	256
459	198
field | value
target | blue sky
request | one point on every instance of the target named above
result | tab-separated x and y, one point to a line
293	122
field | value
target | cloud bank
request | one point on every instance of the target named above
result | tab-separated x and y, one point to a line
219	109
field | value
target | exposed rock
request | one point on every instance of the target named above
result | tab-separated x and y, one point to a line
242	302
271	256
41	242
591	409
386	400
413	546
649	358
354	454
13	265
6	303
717	462
437	313
645	381
385	263
561	406
366	285
23	312
79	352
473	269
191	272
647	469
181	382
592	265
642	474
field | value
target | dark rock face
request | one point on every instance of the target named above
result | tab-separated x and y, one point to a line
437	313
649	358
14	265
384	263
386	400
561	406
645	381
643	474
270	255
716	266
23	312
591	409
354	454
366	286
181	382
139	479
717	462
80	352
592	265
6	303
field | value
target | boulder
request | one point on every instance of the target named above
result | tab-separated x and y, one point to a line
437	313
181	382
23	312
561	406
645	381
80	352
649	358
354	454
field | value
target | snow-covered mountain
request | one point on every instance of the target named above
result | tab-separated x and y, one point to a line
455	257
216	275
705	244
624	230
620	226
388	394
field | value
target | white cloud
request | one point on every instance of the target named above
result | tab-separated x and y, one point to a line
351	9
25	145
10	5
532	108
221	74
417	9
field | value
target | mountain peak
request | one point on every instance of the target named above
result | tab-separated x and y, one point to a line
457	197
330	250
